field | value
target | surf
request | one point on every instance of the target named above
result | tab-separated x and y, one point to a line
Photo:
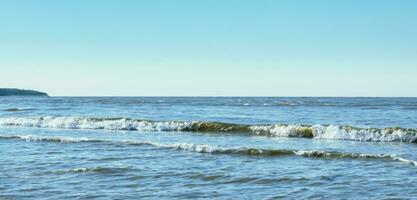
330	132
220	150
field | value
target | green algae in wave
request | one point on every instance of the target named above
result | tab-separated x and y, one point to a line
217	127
262	152
284	130
306	132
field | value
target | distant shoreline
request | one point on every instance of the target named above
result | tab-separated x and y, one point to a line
20	92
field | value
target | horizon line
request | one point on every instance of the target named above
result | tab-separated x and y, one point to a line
229	96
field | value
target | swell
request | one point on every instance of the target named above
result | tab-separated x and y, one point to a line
391	134
213	149
101	170
203	148
18	109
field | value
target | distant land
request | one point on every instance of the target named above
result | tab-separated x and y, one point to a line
20	92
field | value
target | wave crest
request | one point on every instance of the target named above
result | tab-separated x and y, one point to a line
393	134
213	149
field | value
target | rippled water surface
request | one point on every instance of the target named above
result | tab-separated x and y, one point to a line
208	148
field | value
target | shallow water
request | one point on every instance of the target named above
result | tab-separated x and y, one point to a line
216	148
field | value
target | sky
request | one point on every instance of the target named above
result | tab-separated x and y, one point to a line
210	47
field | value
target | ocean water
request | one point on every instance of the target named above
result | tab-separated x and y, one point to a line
207	148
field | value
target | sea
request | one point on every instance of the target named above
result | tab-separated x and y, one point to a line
208	148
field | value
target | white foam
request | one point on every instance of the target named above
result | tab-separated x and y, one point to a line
200	148
338	133
307	153
324	154
408	161
91	123
63	139
278	130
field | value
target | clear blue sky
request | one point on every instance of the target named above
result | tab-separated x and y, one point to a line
211	47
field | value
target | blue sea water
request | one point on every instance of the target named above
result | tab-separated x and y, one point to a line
207	148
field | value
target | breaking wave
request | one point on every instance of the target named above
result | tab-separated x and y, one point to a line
392	134
213	149
203	148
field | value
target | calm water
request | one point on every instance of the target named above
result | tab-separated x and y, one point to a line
208	148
